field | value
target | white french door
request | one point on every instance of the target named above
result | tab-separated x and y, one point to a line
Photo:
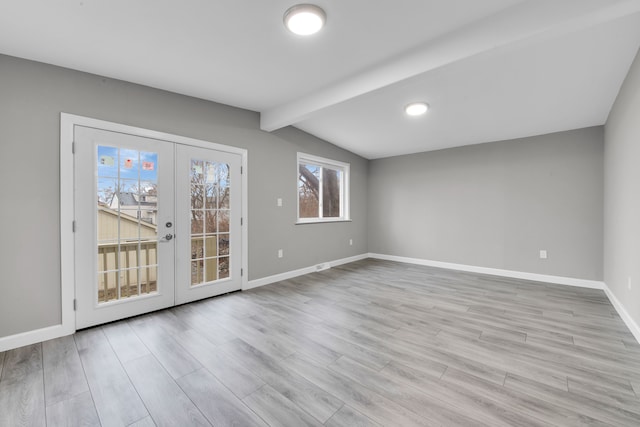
157	224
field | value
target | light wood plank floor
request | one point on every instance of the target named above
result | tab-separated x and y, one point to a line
365	344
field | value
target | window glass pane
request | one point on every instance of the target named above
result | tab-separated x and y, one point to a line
129	164
210	246
129	283
309	190
223	186
197	196
127	193
223	267
107	283
197	249
211	196
149	279
210	173
196	171
128	254
107	187
107	225
223	244
129	227
149	167
211	225
331	185
223	221
107	256
211	269
197	222
148	217
223	198
107	161
149	252
149	191
197	272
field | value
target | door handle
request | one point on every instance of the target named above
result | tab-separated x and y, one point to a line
167	238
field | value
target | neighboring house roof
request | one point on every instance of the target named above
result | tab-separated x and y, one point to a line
126	198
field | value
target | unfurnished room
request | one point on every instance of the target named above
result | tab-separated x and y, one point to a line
337	213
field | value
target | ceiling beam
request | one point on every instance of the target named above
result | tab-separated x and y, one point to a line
525	22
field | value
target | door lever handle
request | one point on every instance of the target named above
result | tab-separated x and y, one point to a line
167	238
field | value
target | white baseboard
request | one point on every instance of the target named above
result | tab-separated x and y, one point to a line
302	271
31	337
348	260
558	280
631	324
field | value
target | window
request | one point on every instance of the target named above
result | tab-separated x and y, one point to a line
323	189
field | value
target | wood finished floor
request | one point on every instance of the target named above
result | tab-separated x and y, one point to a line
365	344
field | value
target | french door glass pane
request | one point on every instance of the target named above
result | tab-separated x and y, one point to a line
224	186
223	220
223	267
210	246
127	197
197	249
211	224
149	279
223	244
210	193
211	269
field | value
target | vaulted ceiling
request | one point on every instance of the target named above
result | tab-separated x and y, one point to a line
489	69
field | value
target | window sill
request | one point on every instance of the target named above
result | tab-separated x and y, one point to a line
321	221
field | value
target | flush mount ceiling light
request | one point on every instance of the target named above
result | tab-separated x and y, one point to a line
416	108
304	19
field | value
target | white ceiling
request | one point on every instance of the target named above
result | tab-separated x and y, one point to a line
490	69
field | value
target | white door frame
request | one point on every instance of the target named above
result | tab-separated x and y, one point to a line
67	216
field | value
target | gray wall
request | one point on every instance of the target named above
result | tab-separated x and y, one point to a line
495	205
32	95
622	195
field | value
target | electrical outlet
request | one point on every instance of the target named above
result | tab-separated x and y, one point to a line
543	254
279	202
350	242
280	253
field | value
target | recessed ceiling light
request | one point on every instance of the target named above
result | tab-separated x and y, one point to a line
304	19
416	108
